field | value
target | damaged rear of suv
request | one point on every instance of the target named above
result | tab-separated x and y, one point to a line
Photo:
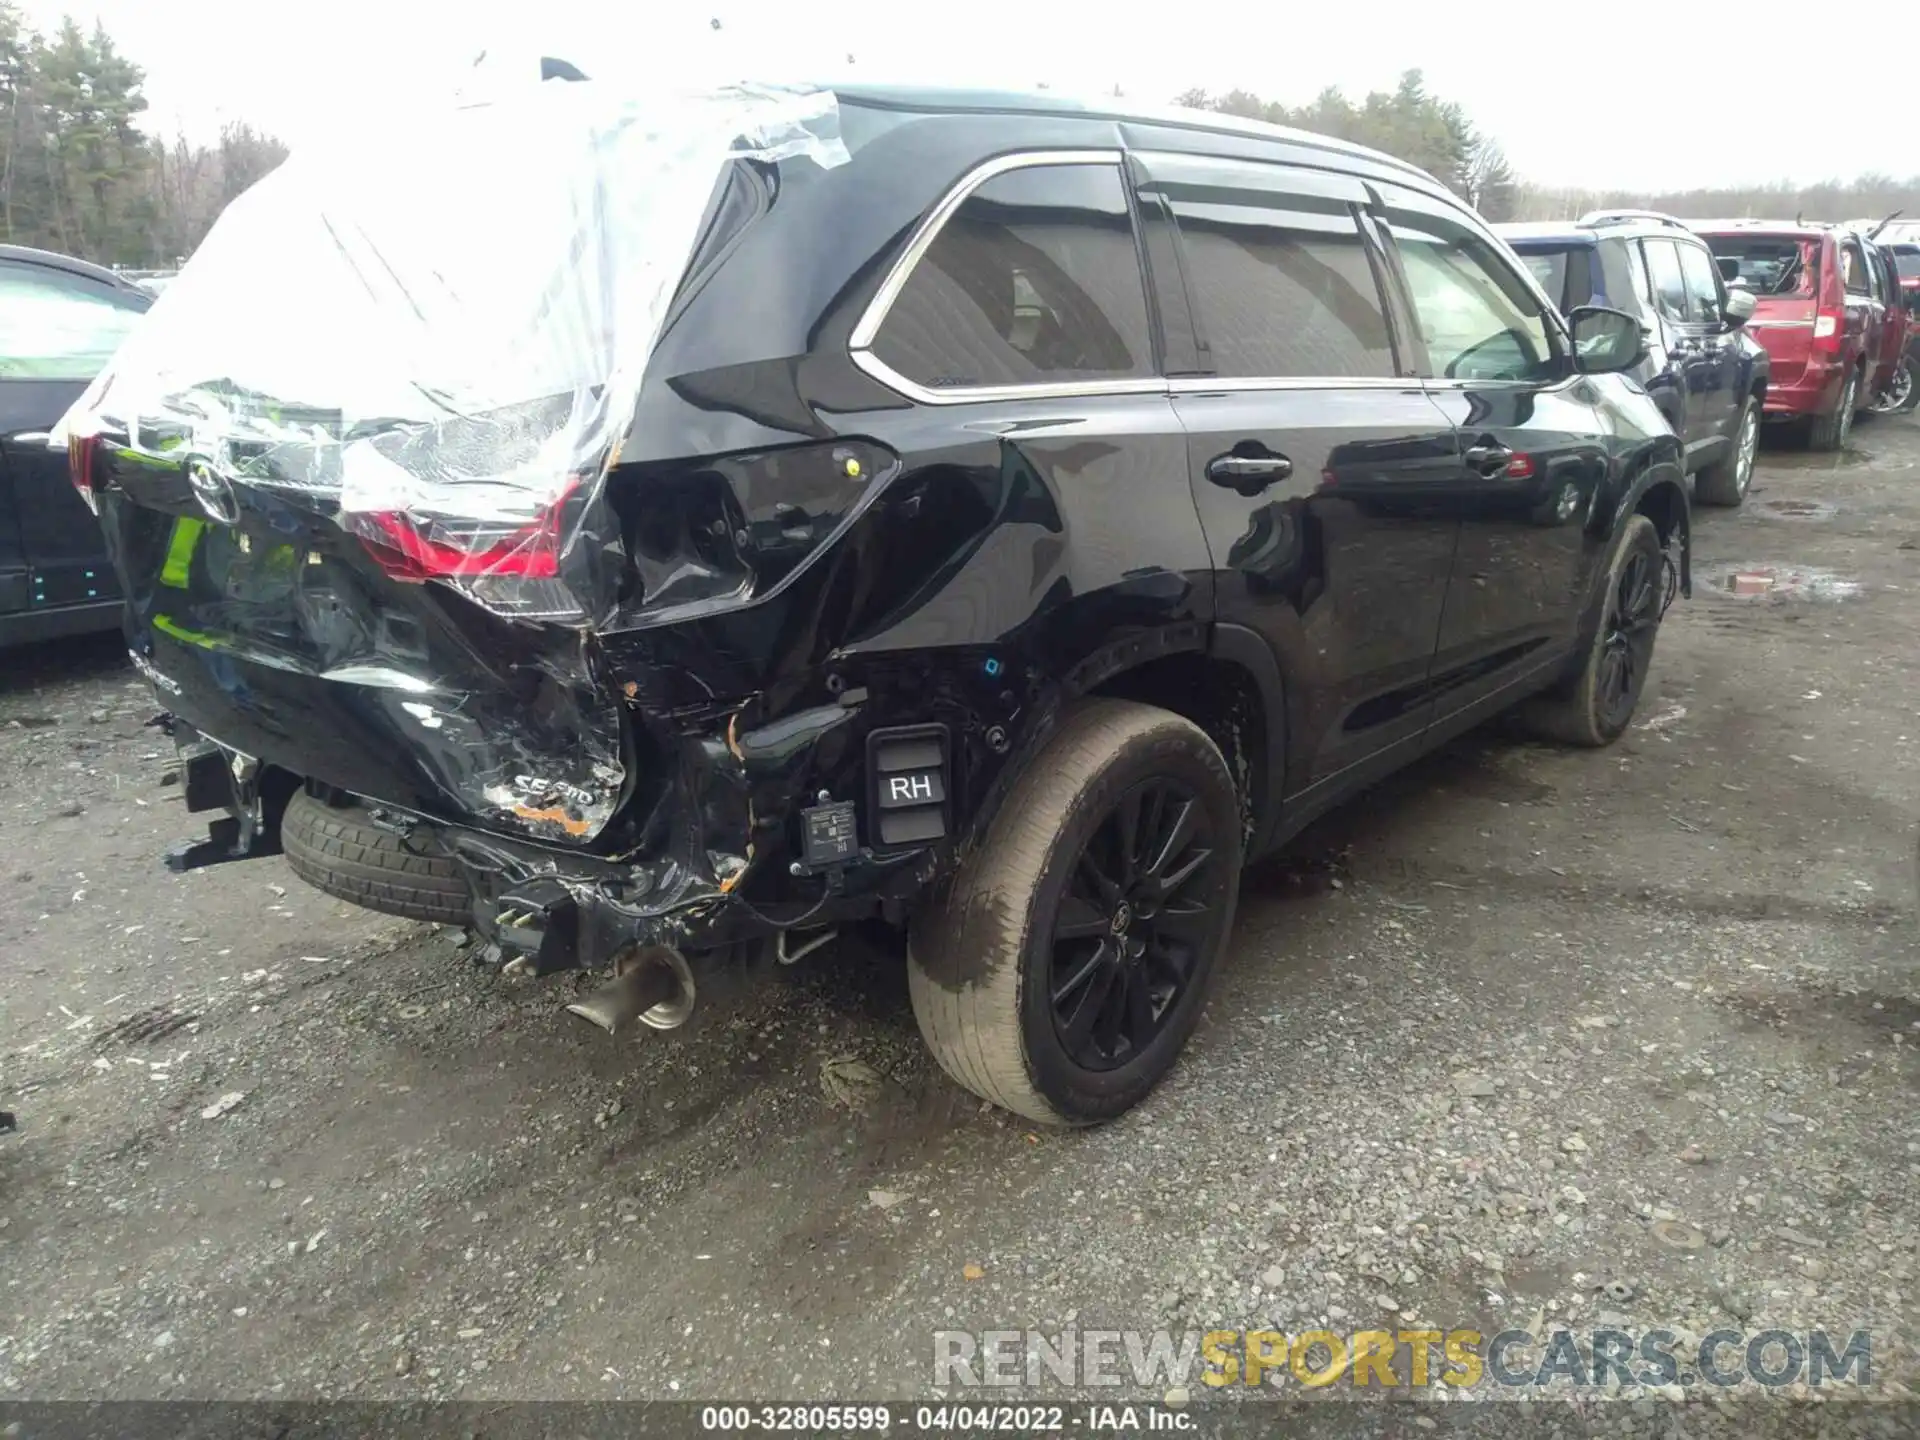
792	509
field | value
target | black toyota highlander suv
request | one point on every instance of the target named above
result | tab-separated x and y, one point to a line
1021	526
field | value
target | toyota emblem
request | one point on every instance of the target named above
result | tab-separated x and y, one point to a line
213	491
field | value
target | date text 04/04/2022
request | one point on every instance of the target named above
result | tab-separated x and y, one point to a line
943	1419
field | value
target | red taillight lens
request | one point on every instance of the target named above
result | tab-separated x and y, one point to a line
1830	322
1520	467
82	453
408	547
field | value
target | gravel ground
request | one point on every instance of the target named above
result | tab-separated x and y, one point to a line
1526	1036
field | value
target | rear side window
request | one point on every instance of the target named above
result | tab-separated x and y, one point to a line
1669	282
1478	318
1771	267
1703	282
1034	280
55	326
1282	286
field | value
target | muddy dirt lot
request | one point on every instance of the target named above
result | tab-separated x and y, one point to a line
1523	1023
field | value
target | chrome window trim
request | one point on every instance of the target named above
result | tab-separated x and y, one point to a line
981	394
1206	385
860	342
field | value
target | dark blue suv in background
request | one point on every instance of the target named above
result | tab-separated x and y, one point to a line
1707	376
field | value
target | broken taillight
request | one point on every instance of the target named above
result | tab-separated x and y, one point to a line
419	548
82	454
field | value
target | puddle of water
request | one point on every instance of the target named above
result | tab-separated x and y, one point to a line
1827	461
1796	509
1785	582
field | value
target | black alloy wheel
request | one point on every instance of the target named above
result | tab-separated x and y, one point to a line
1632	620
1138	913
1062	970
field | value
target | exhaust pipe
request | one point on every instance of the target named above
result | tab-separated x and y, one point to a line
651	984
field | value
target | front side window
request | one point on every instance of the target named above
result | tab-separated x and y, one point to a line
1877	273
1703	282
1282	286
1034	280
1853	270
55	326
1478	318
1669	281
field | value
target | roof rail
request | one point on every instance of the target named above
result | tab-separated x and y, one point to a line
1618	217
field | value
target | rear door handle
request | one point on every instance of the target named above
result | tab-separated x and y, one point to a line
1488	459
1248	474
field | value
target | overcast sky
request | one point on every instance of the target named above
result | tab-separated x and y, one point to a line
1582	93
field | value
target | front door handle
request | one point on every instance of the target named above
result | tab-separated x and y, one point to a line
1248	474
1488	459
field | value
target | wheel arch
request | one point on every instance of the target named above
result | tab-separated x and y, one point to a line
1230	687
1658	492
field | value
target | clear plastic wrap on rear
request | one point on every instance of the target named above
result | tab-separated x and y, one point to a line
438	342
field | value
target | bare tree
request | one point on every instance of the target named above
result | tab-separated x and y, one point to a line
1487	180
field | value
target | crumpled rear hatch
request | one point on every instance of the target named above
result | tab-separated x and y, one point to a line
351	467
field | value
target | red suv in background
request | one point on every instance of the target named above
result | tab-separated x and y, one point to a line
1828	312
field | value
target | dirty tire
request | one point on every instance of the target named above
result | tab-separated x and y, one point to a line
1903	390
982	954
338	851
1829	432
1583	712
1726	481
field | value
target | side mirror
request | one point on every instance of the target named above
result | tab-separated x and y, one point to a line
1605	341
1740	303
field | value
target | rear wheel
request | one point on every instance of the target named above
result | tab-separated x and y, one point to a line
1903	390
1830	432
1598	704
1725	482
1061	973
339	850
